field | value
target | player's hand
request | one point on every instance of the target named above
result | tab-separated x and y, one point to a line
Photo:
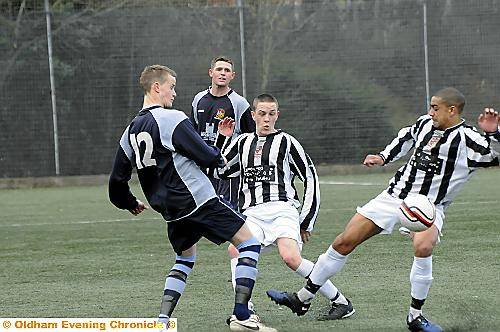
140	207
305	235
226	126
372	160
488	120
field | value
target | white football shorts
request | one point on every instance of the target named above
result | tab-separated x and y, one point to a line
383	211
272	220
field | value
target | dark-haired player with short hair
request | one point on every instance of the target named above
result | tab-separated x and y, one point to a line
212	105
446	154
268	161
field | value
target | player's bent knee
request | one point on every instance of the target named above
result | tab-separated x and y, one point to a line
232	251
342	245
291	260
423	248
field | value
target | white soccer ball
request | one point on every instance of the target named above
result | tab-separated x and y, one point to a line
417	213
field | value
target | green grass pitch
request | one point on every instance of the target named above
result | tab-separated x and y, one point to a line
67	252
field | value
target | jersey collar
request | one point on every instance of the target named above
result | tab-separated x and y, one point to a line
209	90
278	131
152	107
462	121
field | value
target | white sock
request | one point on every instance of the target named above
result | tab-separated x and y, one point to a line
234	262
421	280
328	289
421	277
327	265
414	313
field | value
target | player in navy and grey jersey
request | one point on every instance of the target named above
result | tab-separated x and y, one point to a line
209	109
167	152
216	103
446	153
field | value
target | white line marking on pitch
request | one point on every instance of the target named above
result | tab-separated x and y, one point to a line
471	203
80	222
352	183
159	218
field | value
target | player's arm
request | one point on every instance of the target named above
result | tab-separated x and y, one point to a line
489	122
189	143
229	150
118	188
231	154
400	145
483	150
302	165
247	124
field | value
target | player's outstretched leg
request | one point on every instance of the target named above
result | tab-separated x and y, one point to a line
246	274
175	284
341	307
421	280
233	254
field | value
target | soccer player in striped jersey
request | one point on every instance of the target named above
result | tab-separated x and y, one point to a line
446	152
267	162
212	105
168	153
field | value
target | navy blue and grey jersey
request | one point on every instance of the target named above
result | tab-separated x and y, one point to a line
267	167
208	110
442	160
168	153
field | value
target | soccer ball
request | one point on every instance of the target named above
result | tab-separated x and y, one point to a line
417	213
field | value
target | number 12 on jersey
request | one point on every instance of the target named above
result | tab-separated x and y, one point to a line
136	141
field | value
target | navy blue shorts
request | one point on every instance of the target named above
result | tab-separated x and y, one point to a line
214	220
228	189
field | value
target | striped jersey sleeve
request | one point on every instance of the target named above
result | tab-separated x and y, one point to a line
303	167
404	142
231	153
482	150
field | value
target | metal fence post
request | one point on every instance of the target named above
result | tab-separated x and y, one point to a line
52	86
242	49
426	59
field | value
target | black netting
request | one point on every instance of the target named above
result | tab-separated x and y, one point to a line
347	74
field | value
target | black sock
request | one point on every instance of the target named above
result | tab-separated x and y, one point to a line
417	304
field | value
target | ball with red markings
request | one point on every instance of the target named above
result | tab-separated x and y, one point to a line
417	213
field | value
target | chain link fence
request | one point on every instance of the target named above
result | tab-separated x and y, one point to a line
347	73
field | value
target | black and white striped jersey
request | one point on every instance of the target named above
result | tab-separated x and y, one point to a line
267	167
442	160
168	153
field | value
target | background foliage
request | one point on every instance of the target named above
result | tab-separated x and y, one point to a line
348	73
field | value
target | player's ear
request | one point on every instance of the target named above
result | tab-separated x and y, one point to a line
155	86
253	114
210	72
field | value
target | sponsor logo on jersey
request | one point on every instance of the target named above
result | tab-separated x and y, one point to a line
220	114
433	141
